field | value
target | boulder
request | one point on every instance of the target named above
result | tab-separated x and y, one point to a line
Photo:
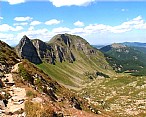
2	105
1	84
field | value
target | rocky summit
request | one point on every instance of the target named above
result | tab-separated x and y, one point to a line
67	58
62	47
66	47
26	50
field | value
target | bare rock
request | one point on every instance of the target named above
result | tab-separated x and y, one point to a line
26	50
2	104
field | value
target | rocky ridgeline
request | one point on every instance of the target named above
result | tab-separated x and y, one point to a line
12	97
26	50
62	47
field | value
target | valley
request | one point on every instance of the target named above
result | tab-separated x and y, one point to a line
68	77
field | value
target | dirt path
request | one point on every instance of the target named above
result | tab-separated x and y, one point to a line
15	104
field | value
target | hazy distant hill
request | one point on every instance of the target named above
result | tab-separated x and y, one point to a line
134	44
98	46
124	58
137	45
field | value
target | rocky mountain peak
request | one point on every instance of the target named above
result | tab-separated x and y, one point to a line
25	38
1	42
61	38
67	47
66	39
62	47
26	50
117	45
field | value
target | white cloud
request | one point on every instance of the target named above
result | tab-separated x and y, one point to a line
100	31
5	36
20	24
59	3
34	23
6	28
16	1
92	29
123	10
79	24
13	2
31	28
52	22
136	23
77	31
37	34
21	19
61	30
17	28
1	18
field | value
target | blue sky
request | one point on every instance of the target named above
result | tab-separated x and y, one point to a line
98	21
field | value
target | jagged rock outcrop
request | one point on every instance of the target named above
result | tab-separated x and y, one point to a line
26	50
71	43
60	49
64	47
44	51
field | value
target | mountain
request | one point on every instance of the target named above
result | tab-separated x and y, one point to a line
26	50
124	58
28	91
137	45
98	46
57	100
68	59
134	44
8	57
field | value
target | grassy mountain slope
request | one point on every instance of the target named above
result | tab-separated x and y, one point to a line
57	97
141	49
44	96
121	96
7	54
77	70
8	57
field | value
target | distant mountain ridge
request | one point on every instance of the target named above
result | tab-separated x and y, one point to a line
123	57
134	44
114	45
98	46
